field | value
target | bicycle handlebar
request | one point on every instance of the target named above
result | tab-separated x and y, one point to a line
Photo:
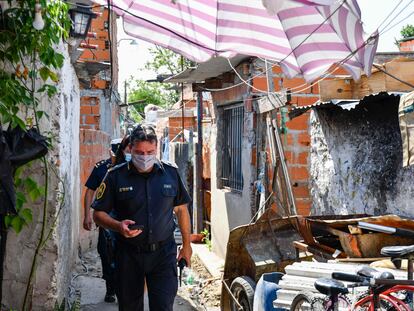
366	281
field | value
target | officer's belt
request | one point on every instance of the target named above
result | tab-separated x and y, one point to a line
148	247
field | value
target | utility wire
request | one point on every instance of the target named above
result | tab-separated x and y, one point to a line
384	30
392	76
388	16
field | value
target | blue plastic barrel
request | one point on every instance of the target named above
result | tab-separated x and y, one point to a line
266	292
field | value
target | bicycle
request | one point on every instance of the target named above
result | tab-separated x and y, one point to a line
385	293
335	299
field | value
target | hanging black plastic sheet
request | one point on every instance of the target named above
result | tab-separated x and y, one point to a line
17	147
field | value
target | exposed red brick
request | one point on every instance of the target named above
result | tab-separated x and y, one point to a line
305	101
303	158
95	110
299	173
301	191
91	120
304	139
299	123
303	207
85	110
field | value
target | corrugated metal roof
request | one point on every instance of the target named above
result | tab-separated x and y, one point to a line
210	69
346	104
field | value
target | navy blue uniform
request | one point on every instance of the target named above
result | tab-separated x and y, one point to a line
98	173
149	200
106	238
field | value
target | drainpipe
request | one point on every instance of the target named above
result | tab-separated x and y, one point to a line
199	197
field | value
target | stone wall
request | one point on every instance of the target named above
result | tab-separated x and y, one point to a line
57	258
356	161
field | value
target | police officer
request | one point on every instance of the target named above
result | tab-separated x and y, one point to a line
145	192
105	236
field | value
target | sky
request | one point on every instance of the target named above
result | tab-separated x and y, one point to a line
132	58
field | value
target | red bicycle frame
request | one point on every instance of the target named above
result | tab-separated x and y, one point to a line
387	296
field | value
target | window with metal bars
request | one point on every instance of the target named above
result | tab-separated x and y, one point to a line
231	156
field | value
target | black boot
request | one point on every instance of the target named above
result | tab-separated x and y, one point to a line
110	293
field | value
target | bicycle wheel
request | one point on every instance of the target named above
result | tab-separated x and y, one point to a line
304	301
365	301
402	295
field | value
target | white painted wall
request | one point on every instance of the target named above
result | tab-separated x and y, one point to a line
56	260
230	209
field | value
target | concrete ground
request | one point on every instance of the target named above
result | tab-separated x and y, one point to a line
90	288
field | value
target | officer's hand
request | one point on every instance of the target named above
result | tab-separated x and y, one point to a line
87	223
185	252
124	230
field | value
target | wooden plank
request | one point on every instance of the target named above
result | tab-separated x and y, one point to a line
271	102
402	70
336	89
370	85
354	229
356	260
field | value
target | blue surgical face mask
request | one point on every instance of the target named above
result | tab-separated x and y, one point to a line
128	157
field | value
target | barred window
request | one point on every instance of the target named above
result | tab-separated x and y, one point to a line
231	156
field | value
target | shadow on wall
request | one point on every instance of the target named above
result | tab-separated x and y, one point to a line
356	160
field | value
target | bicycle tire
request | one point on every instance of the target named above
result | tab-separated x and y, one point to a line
306	301
384	304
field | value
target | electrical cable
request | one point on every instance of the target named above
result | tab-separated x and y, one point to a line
388	16
385	27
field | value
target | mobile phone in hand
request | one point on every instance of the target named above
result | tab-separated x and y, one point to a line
135	227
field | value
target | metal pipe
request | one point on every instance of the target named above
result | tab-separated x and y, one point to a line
232	296
198	208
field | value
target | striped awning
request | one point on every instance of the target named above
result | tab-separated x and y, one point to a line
305	36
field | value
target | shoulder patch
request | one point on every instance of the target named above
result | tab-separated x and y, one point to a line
114	168
100	191
169	163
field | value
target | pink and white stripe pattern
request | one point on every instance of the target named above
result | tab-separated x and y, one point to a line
306	36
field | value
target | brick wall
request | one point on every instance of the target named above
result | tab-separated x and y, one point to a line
94	146
297	139
99	118
90	112
175	125
406	46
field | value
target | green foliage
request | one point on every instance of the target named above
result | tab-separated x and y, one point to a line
164	62
407	31
63	307
30	60
33	190
206	238
23	49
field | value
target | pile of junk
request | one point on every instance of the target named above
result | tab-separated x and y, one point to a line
268	262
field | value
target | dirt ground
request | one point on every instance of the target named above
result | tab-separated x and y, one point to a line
88	286
205	291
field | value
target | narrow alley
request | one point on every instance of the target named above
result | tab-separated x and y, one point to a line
88	287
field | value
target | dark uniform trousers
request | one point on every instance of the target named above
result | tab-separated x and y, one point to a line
135	265
106	248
